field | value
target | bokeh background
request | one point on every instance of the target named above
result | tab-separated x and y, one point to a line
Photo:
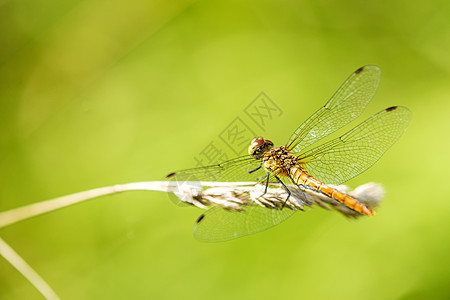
95	93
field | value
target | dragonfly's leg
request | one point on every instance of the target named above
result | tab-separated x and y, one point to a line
255	169
267	185
285	188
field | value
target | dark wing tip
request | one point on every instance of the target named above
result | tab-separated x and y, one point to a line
391	108
360	70
170	175
200	218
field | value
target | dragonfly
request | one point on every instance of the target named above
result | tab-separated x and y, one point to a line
300	165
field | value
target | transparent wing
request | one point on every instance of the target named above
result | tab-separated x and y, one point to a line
351	154
236	169
217	224
347	104
233	170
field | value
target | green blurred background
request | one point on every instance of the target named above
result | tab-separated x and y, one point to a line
96	93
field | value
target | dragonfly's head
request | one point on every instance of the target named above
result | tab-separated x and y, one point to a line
258	147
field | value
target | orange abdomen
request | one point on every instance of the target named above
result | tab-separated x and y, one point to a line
300	176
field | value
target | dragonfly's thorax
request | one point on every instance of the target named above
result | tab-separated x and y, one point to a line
279	161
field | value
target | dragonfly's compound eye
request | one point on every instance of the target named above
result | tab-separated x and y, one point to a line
258	147
255	145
